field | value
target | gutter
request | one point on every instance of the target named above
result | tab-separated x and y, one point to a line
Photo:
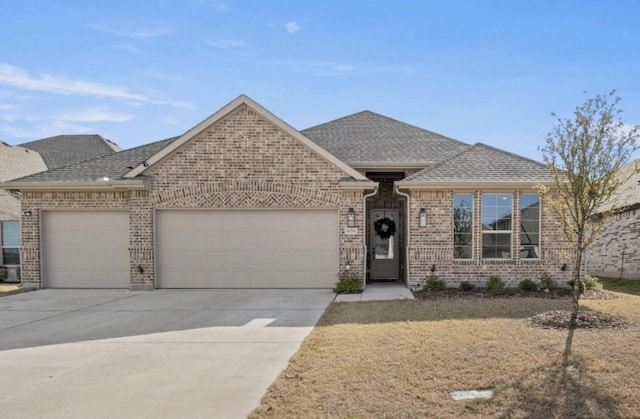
470	184
408	227
73	186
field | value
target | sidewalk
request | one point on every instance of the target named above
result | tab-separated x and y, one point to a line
379	291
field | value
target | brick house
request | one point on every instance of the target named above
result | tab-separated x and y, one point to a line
33	157
614	253
243	200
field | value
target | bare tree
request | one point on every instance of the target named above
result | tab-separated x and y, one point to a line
585	153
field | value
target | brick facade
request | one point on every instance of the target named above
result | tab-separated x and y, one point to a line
242	161
432	246
615	253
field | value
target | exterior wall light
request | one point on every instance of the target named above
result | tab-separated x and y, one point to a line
423	217
351	218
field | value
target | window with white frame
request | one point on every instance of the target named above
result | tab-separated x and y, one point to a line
462	226
497	220
9	243
529	226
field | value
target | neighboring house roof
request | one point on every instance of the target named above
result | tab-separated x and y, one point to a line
482	163
16	161
367	137
112	166
63	150
628	194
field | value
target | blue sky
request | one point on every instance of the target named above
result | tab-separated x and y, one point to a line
478	71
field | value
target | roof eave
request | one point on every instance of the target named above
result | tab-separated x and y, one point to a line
390	166
358	185
422	184
81	185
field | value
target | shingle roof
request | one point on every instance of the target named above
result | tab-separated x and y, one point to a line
113	166
63	150
17	161
482	163
367	137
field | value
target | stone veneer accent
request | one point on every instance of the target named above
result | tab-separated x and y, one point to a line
620	235
433	245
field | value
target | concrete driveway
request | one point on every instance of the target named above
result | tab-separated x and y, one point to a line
157	354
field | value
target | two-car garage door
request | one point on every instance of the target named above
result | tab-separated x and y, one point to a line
246	248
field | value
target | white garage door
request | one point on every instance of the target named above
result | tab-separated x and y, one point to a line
85	249
247	249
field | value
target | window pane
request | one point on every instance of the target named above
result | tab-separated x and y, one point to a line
462	226
496	245
11	256
529	226
10	233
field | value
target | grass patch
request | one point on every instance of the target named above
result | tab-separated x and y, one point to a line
628	286
402	358
8	289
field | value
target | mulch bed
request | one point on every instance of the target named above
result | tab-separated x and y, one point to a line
561	319
482	293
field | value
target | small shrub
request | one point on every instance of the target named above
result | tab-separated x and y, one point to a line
434	283
348	283
466	286
528	285
592	283
3	273
495	285
548	282
570	284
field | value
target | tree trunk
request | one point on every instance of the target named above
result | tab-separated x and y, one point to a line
577	280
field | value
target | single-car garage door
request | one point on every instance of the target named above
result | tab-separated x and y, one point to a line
85	249
247	248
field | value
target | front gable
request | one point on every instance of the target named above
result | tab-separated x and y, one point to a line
246	138
244	160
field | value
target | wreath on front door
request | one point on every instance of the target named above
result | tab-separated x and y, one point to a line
385	227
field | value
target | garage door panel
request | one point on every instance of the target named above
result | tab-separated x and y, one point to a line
248	249
85	249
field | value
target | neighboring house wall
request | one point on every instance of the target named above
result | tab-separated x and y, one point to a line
433	244
615	252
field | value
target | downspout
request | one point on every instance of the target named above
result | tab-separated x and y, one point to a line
364	234
408	221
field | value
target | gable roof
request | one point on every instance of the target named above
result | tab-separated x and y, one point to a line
16	161
367	137
482	164
112	167
63	150
231	106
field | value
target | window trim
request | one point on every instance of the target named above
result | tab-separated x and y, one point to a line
2	246
539	225
473	227
510	231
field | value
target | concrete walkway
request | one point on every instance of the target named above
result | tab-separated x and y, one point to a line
378	291
156	354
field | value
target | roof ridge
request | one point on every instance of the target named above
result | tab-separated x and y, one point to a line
511	154
440	164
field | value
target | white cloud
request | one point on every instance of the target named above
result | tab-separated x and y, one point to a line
94	115
128	32
227	44
13	76
292	27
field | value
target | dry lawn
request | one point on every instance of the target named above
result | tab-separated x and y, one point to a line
400	359
8	289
